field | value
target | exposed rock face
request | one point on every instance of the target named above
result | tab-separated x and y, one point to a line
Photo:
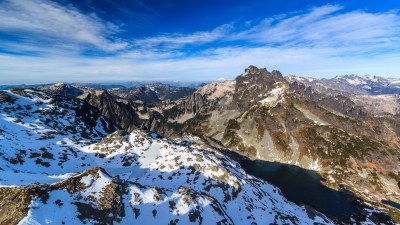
14	204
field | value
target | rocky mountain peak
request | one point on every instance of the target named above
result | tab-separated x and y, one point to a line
253	85
253	70
253	74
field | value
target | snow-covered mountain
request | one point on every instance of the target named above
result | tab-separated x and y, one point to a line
58	165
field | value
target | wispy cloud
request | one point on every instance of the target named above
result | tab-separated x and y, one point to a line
176	40
49	21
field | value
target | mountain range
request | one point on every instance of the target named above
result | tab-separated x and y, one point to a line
161	154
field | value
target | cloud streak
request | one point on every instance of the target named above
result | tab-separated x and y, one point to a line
178	40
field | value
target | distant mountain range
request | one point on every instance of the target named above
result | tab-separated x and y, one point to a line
109	85
378	95
352	84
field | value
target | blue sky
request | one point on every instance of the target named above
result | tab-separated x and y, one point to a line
43	41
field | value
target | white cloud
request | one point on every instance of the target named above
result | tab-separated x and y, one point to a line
282	28
178	40
48	20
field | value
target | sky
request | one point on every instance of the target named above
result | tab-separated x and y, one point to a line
45	41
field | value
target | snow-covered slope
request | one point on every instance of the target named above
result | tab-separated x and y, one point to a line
58	166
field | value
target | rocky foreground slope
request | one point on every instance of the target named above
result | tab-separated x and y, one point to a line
59	166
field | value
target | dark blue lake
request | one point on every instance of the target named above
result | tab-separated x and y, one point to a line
391	203
302	186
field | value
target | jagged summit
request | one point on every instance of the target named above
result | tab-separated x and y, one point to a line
254	85
253	70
